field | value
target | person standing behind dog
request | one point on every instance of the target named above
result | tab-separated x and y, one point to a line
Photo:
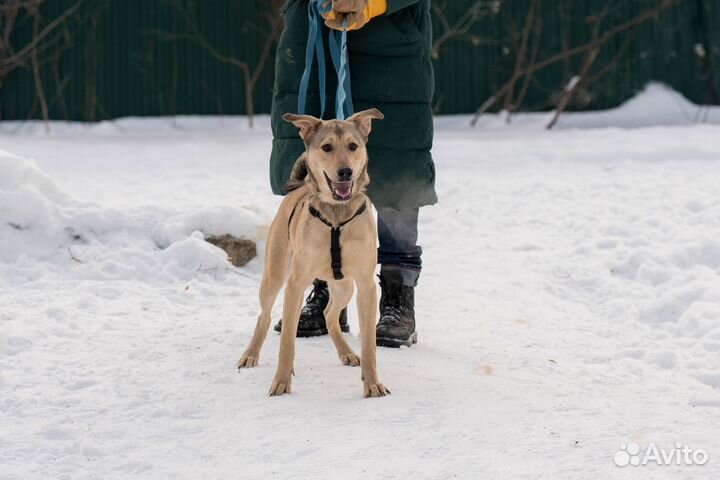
389	44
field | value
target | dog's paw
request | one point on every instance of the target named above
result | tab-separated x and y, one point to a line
350	359
375	390
248	361
279	387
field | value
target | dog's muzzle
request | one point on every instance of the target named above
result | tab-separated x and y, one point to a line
341	191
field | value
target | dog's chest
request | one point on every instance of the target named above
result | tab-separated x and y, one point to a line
313	247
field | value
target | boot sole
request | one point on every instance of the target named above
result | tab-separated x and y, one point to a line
396	342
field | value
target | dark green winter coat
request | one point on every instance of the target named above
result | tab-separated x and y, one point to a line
391	70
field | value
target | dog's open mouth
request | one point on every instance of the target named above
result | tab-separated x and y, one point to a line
341	191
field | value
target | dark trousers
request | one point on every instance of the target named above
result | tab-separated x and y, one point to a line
398	233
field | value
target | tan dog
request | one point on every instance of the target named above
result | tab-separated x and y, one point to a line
326	208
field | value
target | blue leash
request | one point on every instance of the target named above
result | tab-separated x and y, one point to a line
338	52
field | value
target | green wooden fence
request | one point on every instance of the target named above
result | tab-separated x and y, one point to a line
120	58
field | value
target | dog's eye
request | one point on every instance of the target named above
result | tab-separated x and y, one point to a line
327	148
353	147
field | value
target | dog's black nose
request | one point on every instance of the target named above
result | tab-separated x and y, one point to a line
344	173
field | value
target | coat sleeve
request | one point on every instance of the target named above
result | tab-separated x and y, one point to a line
395	5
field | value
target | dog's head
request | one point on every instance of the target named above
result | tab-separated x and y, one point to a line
336	155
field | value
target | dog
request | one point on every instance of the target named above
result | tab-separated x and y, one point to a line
323	229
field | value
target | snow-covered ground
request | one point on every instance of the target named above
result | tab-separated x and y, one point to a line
570	303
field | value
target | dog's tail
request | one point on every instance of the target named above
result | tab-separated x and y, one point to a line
298	174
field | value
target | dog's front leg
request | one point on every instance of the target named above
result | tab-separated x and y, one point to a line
340	295
291	315
272	282
367	309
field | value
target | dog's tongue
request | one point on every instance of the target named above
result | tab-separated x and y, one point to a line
342	189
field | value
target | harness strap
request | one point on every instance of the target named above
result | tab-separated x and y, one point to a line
335	254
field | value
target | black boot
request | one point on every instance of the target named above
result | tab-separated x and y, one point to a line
397	311
312	317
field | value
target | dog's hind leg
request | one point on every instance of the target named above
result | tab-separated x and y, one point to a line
291	315
367	310
340	293
276	268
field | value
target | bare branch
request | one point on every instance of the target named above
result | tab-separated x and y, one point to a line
573	86
14	7
36	75
461	28
533	58
251	74
599	40
21	56
520	58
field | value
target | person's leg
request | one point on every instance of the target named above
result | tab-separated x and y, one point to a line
400	265
398	233
312	316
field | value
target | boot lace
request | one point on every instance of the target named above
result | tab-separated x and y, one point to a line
391	306
316	301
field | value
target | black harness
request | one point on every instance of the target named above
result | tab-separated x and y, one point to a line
335	257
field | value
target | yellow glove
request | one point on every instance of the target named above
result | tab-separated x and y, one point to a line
358	13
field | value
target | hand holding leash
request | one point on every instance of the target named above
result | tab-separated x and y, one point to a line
357	12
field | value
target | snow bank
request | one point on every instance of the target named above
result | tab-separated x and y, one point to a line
657	105
42	227
35	216
195	252
17	173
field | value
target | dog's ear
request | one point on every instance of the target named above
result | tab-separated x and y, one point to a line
307	124
363	120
